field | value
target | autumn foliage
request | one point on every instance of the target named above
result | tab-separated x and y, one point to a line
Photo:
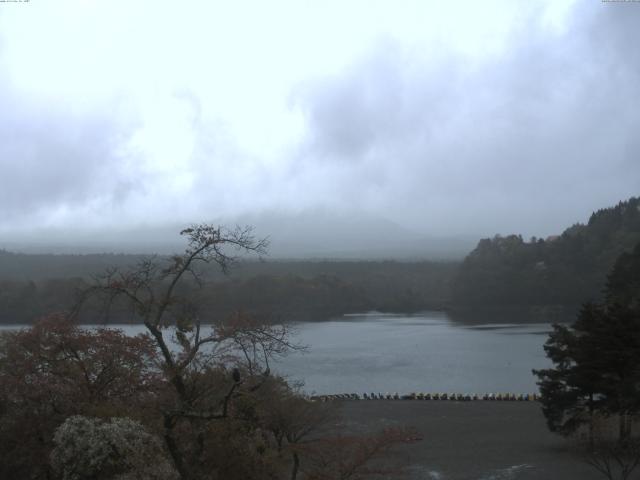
54	370
200	389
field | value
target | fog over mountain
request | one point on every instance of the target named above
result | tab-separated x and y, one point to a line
367	129
313	234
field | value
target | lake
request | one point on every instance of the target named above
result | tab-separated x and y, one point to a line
427	352
417	353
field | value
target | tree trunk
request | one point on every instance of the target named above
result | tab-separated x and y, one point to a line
173	447
623	427
591	424
296	466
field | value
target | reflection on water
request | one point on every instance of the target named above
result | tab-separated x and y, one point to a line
426	352
487	316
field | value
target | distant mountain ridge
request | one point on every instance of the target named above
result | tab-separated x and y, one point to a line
504	271
563	270
316	234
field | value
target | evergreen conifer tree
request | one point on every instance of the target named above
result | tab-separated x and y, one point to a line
597	359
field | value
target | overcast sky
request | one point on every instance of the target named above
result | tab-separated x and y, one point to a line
447	118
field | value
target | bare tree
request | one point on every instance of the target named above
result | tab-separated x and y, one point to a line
616	460
293	420
160	294
356	457
217	396
614	457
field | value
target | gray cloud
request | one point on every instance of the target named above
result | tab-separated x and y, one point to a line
52	158
529	141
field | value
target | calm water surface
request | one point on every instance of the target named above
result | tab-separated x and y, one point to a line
401	353
426	352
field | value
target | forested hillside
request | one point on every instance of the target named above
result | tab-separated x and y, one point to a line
34	285
564	270
500	272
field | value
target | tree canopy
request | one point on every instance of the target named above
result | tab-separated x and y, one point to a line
197	388
560	270
597	359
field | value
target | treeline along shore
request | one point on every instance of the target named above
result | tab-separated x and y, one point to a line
536	279
274	290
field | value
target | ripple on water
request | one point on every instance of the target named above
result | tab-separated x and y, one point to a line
508	473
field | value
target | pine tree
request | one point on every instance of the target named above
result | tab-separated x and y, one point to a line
597	359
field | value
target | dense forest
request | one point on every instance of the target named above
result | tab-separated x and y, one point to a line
34	285
501	272
561	270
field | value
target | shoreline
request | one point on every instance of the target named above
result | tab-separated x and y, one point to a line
431	397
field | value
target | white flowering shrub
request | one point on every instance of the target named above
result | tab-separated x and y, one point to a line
118	449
